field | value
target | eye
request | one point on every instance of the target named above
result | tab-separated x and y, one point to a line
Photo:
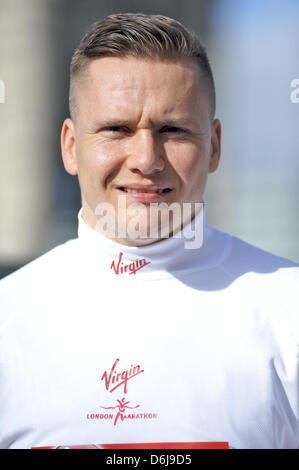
114	129
173	129
115	132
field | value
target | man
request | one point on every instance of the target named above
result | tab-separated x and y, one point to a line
128	335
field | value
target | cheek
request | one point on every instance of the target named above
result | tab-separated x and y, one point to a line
98	162
187	160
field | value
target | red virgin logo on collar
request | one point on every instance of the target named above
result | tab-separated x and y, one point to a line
131	268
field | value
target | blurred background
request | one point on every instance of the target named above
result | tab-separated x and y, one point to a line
253	48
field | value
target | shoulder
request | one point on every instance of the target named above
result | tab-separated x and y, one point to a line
259	276
251	269
51	258
261	283
242	257
44	270
272	270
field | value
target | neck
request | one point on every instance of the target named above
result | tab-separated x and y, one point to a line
182	253
149	225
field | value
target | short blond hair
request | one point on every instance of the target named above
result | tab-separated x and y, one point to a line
144	36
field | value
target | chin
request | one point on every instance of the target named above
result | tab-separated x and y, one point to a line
137	241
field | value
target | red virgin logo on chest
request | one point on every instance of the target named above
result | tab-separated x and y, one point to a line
120	409
114	378
121	268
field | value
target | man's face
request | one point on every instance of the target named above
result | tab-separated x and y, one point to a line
142	130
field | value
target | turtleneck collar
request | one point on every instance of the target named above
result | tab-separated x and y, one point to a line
157	260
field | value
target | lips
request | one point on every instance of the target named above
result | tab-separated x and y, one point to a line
134	189
145	193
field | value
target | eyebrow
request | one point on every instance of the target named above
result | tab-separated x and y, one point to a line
113	122
179	122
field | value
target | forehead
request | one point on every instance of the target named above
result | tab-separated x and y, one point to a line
128	85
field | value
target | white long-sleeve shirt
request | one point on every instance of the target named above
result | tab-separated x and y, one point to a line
104	343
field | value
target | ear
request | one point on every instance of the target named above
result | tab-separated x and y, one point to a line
215	146
68	147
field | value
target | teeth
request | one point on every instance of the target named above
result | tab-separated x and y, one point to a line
129	190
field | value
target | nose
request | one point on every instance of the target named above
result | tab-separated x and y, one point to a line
145	155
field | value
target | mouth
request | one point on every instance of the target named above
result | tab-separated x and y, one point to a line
145	194
144	190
